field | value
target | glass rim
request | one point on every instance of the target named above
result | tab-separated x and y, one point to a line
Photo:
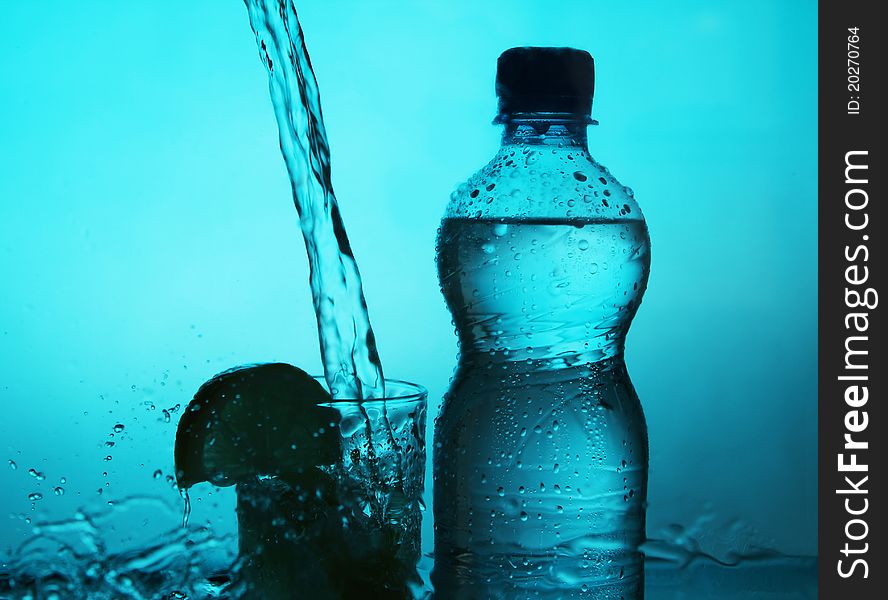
411	392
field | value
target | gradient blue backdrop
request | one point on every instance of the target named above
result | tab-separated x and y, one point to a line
148	241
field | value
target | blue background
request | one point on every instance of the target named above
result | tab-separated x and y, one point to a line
148	240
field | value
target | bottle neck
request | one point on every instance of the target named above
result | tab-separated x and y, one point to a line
560	130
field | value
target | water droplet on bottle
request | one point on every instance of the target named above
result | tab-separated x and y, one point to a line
12	465
35	496
118	428
38	475
58	491
158	474
565	304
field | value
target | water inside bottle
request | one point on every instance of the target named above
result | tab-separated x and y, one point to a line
544	478
558	290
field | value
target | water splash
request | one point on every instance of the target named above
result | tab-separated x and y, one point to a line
725	558
186	512
98	554
348	348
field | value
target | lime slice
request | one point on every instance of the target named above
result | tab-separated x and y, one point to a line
253	421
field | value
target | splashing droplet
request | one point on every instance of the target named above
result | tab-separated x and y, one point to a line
186	514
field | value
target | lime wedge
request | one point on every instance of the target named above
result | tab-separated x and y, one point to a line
253	421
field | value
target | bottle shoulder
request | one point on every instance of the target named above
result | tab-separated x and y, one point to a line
533	181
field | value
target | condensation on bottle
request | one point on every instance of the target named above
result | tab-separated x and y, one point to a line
541	451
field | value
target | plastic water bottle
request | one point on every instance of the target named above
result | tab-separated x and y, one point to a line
541	451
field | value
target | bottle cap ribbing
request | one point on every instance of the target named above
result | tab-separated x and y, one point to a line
550	80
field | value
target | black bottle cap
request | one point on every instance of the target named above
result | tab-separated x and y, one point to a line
548	80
